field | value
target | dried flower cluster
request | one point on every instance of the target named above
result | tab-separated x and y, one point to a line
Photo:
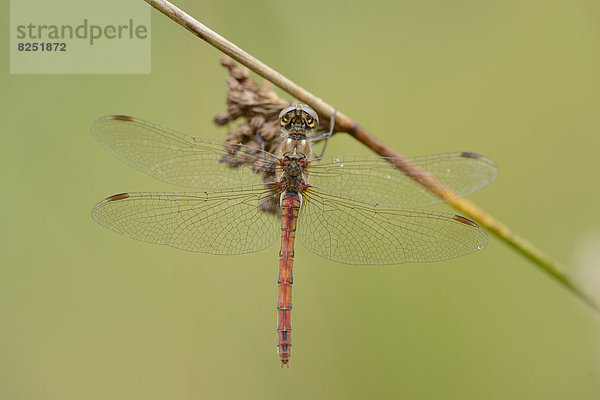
258	105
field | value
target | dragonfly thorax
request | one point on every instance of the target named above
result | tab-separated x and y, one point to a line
293	178
293	166
295	147
294	155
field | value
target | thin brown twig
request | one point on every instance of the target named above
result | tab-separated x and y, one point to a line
345	124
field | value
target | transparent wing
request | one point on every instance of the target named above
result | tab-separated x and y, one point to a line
218	222
354	232
174	157
374	179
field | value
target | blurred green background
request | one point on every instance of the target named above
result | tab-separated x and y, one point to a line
88	314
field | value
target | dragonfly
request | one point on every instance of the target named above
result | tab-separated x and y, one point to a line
350	209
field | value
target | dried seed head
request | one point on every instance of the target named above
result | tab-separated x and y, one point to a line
257	105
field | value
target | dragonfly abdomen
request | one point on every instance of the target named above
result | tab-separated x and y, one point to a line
290	205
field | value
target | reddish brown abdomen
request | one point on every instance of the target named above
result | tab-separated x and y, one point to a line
290	205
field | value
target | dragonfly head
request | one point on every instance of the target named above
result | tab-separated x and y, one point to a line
299	119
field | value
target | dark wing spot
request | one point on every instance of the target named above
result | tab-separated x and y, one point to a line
464	220
116	197
468	154
122	117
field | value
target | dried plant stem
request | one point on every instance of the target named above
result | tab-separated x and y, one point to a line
345	124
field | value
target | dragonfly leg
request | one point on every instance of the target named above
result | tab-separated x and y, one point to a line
260	140
327	134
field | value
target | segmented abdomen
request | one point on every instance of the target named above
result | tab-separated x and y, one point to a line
290	206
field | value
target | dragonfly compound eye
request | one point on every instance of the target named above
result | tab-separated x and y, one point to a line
310	117
286	112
